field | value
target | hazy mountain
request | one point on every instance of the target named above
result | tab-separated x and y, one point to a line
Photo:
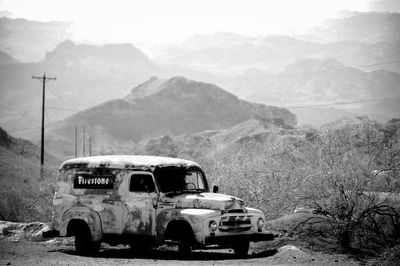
317	116
263	69
160	107
86	75
25	149
357	39
231	53
368	27
274	52
318	82
28	40
129	58
6	59
315	81
385	6
391	54
5	13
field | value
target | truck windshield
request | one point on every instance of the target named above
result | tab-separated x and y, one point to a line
179	180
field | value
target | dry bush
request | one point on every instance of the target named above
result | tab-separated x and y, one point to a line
264	176
343	187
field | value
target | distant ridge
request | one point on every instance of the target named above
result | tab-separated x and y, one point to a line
160	107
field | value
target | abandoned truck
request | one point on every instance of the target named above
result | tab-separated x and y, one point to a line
147	201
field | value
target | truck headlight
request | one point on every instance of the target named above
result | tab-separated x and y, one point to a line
213	225
260	223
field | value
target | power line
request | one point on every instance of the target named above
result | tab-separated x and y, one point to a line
341	103
289	107
382	63
335	70
24	129
65	109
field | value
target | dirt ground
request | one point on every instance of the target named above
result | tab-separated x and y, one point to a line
23	244
56	253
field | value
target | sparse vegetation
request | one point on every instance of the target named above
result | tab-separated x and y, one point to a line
347	172
26	192
361	210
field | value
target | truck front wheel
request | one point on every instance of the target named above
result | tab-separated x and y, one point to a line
184	245
241	248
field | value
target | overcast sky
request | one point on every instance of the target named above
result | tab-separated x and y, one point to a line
163	21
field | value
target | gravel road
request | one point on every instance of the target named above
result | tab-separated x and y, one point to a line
53	253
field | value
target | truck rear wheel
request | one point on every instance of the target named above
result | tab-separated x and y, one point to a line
241	248
84	245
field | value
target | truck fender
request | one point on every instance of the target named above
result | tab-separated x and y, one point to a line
193	219
91	218
162	221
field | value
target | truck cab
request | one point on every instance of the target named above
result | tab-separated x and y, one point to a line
147	201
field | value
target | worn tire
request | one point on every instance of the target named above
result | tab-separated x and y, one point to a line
241	248
185	240
184	245
84	245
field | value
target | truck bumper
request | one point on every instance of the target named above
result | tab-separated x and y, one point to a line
227	240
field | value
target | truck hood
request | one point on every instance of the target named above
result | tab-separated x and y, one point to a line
213	201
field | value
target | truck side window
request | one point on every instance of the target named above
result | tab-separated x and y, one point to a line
141	183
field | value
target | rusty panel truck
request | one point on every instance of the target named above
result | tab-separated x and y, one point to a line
146	201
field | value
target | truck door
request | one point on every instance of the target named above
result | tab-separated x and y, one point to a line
141	204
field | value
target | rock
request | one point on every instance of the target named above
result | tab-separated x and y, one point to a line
23	231
38	236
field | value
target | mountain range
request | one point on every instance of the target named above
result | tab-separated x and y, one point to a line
367	27
86	75
309	85
315	77
159	107
357	39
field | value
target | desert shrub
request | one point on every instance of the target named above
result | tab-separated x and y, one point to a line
348	171
343	185
265	176
161	147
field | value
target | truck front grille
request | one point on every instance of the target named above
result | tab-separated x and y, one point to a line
235	223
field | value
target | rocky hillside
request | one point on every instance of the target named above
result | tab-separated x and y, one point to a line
160	107
25	191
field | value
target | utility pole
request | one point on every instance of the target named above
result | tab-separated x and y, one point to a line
76	142
90	145
83	142
43	79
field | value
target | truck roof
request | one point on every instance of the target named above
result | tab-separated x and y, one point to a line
126	162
